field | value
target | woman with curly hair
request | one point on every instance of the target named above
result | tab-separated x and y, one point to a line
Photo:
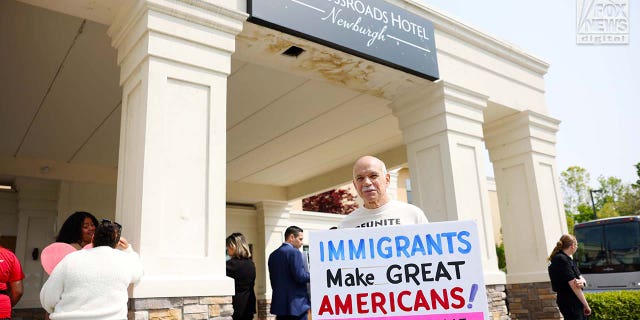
78	229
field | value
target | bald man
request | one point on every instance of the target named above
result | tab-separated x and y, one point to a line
371	179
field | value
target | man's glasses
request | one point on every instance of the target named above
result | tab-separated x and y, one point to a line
107	221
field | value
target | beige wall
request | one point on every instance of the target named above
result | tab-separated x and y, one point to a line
495	209
8	213
97	199
403	175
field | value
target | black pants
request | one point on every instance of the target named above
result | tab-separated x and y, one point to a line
571	310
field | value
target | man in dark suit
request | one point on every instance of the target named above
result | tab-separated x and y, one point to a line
290	299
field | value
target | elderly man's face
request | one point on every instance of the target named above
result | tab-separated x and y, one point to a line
371	182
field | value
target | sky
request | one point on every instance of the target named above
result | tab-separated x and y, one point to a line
593	89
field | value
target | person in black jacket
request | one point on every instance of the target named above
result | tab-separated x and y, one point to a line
567	281
242	269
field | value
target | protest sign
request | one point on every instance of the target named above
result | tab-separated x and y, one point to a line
430	271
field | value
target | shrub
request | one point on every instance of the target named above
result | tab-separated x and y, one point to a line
614	305
339	201
502	262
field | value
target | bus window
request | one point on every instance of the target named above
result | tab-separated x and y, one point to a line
591	254
624	255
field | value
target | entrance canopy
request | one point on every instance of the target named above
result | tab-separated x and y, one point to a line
294	124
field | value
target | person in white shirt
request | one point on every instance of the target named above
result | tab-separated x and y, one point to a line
92	283
371	179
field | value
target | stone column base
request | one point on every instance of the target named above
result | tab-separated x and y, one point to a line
497	302
181	308
532	301
178	308
263	310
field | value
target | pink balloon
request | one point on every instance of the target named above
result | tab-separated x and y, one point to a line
53	254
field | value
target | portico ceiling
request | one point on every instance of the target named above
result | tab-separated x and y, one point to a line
60	103
293	123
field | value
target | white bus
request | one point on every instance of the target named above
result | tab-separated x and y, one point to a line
608	254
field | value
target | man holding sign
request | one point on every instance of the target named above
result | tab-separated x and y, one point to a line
403	269
371	179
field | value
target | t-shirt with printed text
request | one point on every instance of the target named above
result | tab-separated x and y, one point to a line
390	214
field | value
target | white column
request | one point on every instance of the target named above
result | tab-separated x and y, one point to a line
273	220
522	149
174	59
442	128
392	190
37	210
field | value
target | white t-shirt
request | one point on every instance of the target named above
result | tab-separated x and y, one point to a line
391	213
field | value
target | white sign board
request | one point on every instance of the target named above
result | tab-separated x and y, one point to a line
428	272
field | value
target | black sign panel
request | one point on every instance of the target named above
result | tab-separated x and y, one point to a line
371	29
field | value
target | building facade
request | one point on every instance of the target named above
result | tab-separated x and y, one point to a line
186	122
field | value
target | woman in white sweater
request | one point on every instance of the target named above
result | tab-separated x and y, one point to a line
92	283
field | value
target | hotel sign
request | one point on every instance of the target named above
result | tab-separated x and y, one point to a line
371	29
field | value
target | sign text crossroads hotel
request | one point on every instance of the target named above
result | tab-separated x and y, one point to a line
372	29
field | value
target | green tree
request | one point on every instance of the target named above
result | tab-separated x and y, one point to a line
608	200
574	182
585	213
570	222
637	184
612	189
629	205
608	210
616	198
